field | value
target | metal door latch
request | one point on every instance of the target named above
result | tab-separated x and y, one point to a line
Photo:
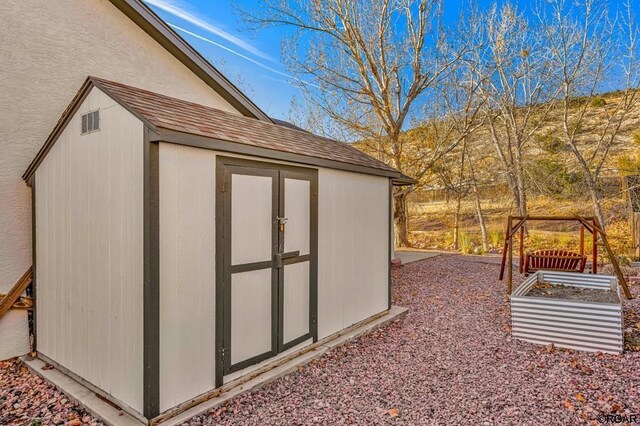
280	257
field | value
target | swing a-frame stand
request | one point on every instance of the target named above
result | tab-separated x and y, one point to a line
516	224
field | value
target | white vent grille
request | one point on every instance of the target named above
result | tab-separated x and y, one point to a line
91	122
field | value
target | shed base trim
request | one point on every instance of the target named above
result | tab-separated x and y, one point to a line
270	372
87	395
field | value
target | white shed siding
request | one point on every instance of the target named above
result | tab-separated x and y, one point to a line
353	235
187	273
89	204
48	48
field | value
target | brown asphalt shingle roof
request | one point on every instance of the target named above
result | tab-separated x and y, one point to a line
175	114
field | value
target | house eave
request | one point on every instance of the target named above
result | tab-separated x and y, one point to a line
164	35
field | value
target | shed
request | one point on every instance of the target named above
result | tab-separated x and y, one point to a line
178	247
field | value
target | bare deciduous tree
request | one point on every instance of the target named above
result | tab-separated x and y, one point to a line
367	63
515	76
474	159
384	73
462	107
588	50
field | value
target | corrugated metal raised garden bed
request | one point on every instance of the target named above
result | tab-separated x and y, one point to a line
570	310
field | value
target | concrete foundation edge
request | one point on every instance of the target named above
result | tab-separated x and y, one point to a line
111	415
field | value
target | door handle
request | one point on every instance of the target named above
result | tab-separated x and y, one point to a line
280	257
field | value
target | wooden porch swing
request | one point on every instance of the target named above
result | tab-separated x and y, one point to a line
557	259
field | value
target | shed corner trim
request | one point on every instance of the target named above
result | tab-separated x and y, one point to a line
151	278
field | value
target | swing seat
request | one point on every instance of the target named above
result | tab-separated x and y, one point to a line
554	260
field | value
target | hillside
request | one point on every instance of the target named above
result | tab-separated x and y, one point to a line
554	181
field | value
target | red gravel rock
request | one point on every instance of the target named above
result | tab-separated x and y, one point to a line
451	360
25	398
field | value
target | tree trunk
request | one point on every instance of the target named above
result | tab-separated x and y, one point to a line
478	204
595	199
521	185
400	219
480	214
513	188
456	224
456	227
508	167
598	211
592	185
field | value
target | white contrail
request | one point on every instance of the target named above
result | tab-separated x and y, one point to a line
176	8
221	46
245	57
281	80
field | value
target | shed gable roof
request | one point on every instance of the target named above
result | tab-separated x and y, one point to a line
169	113
170	116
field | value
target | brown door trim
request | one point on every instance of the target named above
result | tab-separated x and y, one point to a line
225	168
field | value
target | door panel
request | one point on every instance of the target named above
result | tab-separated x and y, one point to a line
251	312
251	219
295	277
249	282
296	301
297	211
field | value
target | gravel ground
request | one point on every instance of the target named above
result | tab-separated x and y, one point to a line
449	361
25	398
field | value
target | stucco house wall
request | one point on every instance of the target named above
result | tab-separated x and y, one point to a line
47	49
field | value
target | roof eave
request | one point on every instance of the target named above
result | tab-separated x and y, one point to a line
198	141
403	180
163	34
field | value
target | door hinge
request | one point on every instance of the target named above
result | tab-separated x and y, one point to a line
223	353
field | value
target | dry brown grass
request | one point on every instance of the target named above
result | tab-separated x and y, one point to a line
431	225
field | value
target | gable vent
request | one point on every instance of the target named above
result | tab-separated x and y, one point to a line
90	122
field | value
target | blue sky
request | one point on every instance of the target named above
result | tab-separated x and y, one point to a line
216	30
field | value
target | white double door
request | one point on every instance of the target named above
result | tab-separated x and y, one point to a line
269	274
